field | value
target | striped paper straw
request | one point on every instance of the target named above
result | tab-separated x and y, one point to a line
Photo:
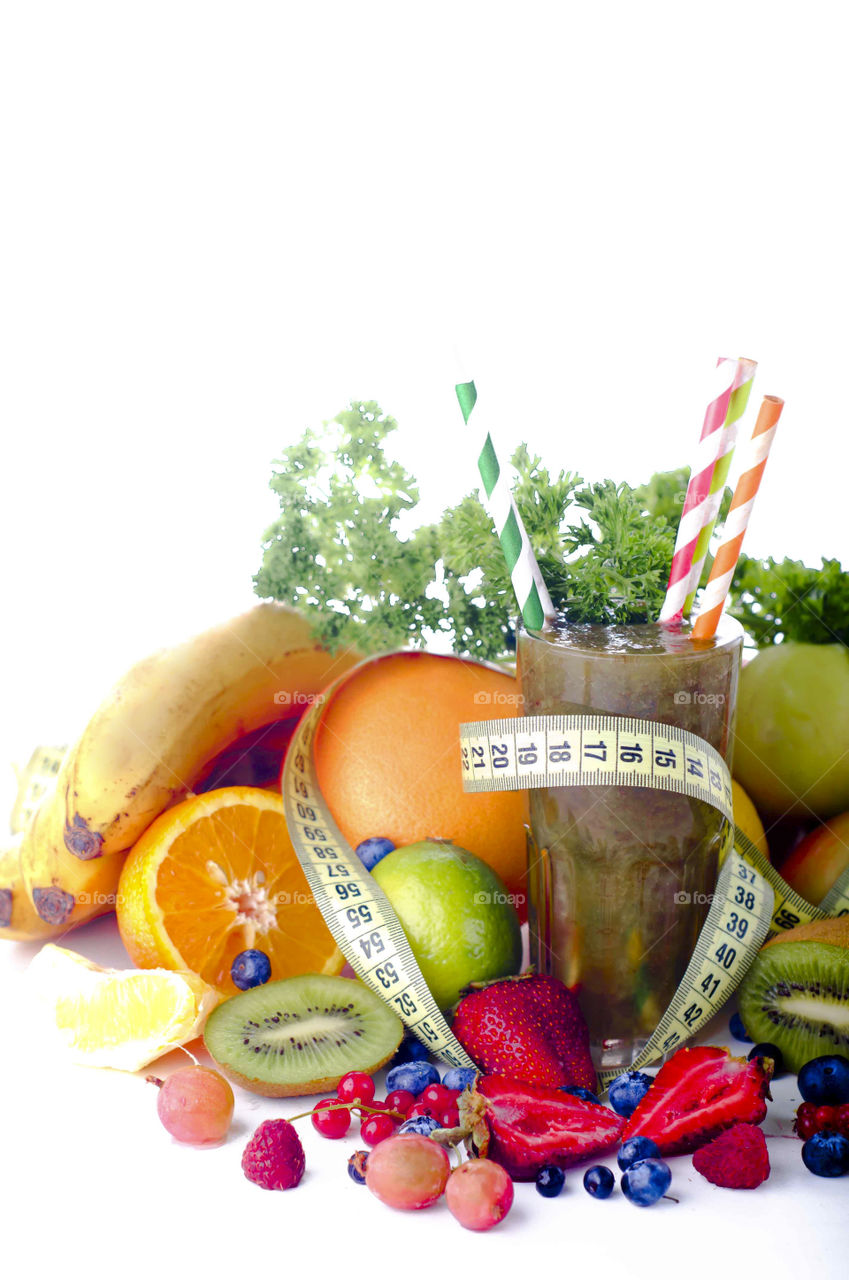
738	400
531	591
734	530
707	478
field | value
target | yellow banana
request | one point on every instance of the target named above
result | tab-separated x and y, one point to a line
143	750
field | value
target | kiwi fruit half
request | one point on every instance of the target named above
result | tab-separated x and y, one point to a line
796	994
301	1035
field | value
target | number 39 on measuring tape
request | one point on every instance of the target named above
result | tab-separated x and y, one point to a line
751	900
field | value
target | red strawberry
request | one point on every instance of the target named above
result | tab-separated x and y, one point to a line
524	1127
737	1158
698	1093
529	1028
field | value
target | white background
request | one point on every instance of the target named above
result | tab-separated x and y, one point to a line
221	221
97	1177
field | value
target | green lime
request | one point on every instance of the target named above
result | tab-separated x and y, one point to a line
458	916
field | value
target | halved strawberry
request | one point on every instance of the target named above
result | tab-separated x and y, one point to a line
698	1093
524	1127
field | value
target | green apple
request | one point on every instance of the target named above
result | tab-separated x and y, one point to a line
791	752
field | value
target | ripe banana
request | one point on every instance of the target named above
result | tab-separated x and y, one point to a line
143	750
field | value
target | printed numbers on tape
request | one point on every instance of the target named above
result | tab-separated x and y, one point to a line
355	908
751	900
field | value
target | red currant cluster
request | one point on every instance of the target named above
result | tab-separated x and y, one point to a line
379	1118
811	1119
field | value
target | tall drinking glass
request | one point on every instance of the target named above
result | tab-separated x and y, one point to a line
621	878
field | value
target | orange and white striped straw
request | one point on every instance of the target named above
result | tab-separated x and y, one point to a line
734	530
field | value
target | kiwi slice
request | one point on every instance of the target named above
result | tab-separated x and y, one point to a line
796	994
301	1035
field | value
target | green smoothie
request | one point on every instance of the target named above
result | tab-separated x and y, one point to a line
621	878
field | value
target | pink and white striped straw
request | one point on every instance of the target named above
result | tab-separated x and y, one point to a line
701	503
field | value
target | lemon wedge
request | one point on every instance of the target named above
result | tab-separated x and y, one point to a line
119	1018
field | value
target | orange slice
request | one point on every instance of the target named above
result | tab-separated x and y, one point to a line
213	876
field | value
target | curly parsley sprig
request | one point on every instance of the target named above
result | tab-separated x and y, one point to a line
604	550
789	600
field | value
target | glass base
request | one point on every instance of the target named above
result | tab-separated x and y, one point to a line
617	1055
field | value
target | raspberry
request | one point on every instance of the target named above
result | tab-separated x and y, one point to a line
274	1157
737	1158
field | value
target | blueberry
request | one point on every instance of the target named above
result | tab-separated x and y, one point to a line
424	1125
635	1149
373	850
412	1076
250	969
459	1078
766	1050
580	1092
737	1029
357	1167
599	1181
410	1049
627	1091
550	1181
646	1181
827	1154
825	1081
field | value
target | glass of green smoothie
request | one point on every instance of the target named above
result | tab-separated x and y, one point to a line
621	877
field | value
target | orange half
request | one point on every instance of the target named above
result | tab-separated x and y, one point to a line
213	876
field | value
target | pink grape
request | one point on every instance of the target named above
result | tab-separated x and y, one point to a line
195	1104
408	1171
479	1194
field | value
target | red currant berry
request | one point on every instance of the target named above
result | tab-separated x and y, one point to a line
806	1121
331	1124
420	1109
449	1117
825	1118
356	1086
841	1119
434	1095
400	1100
375	1128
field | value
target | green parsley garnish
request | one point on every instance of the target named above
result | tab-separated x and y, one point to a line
604	550
788	600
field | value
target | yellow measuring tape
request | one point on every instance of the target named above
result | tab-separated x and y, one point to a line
355	908
35	782
751	899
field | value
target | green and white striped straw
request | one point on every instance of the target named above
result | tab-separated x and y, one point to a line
531	591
